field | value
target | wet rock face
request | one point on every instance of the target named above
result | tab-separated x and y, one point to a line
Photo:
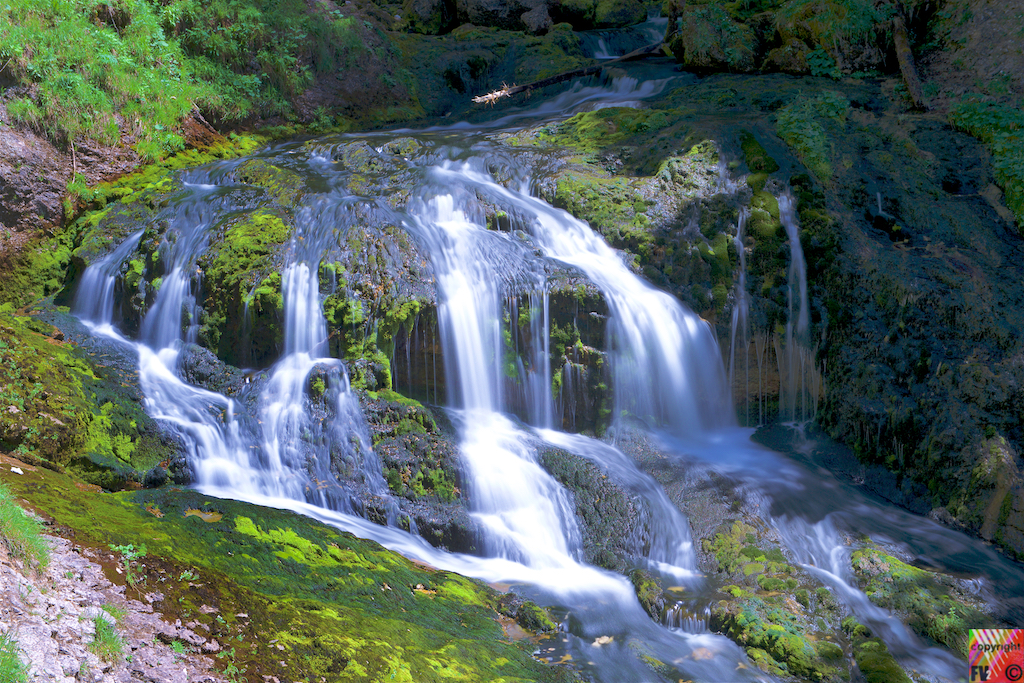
32	175
607	513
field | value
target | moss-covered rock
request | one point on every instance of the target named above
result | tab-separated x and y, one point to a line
934	605
710	40
68	408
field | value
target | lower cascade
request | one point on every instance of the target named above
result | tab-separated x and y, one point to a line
640	376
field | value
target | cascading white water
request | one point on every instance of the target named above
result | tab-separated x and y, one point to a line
94	300
667	373
524	512
739	334
659	348
798	374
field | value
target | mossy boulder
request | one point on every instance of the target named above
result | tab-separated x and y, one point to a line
933	604
710	40
75	406
243	305
649	592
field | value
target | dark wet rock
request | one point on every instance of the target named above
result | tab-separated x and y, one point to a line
607	513
155	477
201	367
430	16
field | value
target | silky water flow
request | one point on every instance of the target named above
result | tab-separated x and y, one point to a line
282	445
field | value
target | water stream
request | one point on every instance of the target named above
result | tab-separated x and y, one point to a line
666	370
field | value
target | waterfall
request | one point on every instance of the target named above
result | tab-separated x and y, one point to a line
94	300
799	377
740	328
283	439
660	350
524	512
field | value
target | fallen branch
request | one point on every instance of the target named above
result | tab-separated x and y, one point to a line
509	90
906	60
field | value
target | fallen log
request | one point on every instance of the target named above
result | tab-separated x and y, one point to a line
906	60
509	90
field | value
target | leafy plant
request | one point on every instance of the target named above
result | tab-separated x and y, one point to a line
12	669
20	533
130	556
232	671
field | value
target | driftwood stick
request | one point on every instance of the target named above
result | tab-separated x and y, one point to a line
906	59
509	90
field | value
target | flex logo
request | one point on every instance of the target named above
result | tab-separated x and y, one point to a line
996	655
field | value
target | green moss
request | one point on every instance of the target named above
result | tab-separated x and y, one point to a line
283	185
241	277
726	546
755	156
930	604
877	664
773	637
596	130
333	602
649	592
802	124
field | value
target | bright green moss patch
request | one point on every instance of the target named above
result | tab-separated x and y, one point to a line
336	605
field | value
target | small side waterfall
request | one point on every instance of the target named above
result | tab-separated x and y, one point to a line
800	381
820	549
739	337
94	300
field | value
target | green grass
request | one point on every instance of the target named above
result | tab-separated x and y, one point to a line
20	533
12	669
1001	127
131	71
107	643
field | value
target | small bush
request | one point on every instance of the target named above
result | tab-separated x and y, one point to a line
20	533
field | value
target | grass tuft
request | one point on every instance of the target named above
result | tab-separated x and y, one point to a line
12	669
21	533
107	643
